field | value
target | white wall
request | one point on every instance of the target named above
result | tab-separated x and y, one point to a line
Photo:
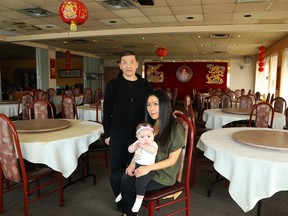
242	75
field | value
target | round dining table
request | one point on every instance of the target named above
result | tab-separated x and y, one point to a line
217	118
9	108
254	160
58	148
88	112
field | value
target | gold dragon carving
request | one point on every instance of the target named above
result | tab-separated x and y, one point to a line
215	74
153	75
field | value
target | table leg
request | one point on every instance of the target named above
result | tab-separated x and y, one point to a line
219	178
88	174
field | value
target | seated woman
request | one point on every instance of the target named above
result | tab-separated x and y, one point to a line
170	138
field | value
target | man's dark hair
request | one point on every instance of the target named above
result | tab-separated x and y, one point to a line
128	53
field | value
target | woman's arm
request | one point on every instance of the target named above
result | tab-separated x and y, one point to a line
170	161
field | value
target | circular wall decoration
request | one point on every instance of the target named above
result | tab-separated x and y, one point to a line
184	73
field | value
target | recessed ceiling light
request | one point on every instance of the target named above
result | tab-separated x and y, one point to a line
190	17
247	15
112	21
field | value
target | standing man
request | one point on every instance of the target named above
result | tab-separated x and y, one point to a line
124	109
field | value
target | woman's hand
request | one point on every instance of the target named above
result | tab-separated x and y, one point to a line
130	169
142	170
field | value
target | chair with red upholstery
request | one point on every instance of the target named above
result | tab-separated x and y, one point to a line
155	199
226	100
32	177
24	102
279	104
213	102
41	109
87	96
198	158
244	101
264	115
99	145
69	109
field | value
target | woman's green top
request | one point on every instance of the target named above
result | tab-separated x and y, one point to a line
168	175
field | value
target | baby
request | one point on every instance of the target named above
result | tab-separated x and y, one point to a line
145	150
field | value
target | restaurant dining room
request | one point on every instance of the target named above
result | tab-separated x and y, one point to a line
223	65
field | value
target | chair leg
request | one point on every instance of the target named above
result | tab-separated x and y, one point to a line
1	192
151	208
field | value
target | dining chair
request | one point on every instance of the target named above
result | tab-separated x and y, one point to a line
69	109
198	158
99	146
268	97
257	96
279	104
253	98
39	94
286	120
97	95
232	95
157	199
244	101
69	92
264	115
24	101
41	109
76	91
51	92
226	100
174	98
237	93
87	96
32	177
213	102
187	101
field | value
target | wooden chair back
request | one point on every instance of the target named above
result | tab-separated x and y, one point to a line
156	197
14	170
69	108
24	101
87	96
244	101
41	109
226	100
264	115
279	104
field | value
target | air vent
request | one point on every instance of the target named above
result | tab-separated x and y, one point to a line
219	36
36	12
117	4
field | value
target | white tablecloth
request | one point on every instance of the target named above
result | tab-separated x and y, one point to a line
215	118
9	109
60	149
86	112
254	173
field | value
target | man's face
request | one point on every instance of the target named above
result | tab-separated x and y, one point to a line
128	65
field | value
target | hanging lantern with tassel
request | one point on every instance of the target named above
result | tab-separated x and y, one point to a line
73	12
161	52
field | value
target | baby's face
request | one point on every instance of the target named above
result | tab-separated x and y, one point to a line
145	136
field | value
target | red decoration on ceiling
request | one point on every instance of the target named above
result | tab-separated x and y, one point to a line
261	58
68	60
73	12
161	52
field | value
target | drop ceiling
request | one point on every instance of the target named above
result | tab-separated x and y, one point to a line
200	29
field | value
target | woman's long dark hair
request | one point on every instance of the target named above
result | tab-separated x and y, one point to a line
167	121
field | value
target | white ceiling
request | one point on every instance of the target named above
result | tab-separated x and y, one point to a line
144	28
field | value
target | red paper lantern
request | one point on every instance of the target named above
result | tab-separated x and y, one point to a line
261	54
261	59
73	12
262	48
261	69
161	52
261	64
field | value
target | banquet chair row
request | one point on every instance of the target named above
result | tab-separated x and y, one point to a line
15	172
